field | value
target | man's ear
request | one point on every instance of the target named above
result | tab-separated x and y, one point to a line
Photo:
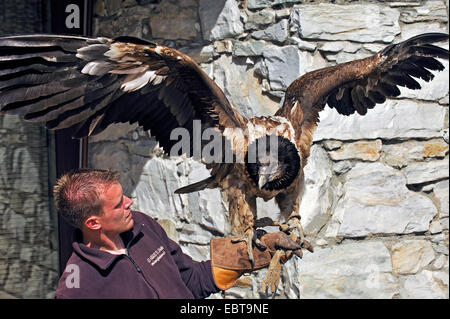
92	222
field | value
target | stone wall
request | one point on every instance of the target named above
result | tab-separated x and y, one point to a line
376	204
28	225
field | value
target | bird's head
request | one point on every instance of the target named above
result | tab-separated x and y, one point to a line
272	162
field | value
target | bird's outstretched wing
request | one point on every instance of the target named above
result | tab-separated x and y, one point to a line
359	85
91	83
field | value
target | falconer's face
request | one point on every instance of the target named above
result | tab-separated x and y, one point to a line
116	216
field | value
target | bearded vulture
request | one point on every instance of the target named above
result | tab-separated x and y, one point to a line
91	83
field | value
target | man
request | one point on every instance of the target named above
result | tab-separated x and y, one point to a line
119	253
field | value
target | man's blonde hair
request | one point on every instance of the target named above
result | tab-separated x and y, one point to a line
77	193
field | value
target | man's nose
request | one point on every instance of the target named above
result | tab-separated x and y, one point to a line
128	202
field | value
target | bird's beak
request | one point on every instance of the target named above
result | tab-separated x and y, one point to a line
263	179
266	173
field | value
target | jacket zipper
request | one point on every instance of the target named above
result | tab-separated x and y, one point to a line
138	269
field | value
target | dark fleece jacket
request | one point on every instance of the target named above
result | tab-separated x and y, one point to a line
155	267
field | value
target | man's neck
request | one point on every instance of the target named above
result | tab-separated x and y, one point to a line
102	241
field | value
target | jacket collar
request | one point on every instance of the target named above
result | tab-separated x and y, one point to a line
100	258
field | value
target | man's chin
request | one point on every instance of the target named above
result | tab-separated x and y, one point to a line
131	223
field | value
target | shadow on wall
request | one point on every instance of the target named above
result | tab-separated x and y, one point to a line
210	22
150	178
187	22
112	148
147	175
124	148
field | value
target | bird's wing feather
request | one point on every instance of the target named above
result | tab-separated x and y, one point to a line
359	85
90	83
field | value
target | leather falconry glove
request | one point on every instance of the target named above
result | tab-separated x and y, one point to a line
230	260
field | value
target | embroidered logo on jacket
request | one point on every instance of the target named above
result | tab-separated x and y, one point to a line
156	256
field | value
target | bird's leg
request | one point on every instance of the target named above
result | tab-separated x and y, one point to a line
249	235
294	223
273	274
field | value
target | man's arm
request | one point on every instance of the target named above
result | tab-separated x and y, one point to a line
197	276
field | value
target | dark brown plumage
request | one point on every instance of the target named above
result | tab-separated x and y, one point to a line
91	83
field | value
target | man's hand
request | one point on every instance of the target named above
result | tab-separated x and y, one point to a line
230	260
279	241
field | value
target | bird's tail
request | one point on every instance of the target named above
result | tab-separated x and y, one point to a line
201	185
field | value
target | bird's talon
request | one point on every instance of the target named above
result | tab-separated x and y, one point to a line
298	253
259	244
284	228
238	240
307	245
292	224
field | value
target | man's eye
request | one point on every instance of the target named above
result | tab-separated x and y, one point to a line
120	204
